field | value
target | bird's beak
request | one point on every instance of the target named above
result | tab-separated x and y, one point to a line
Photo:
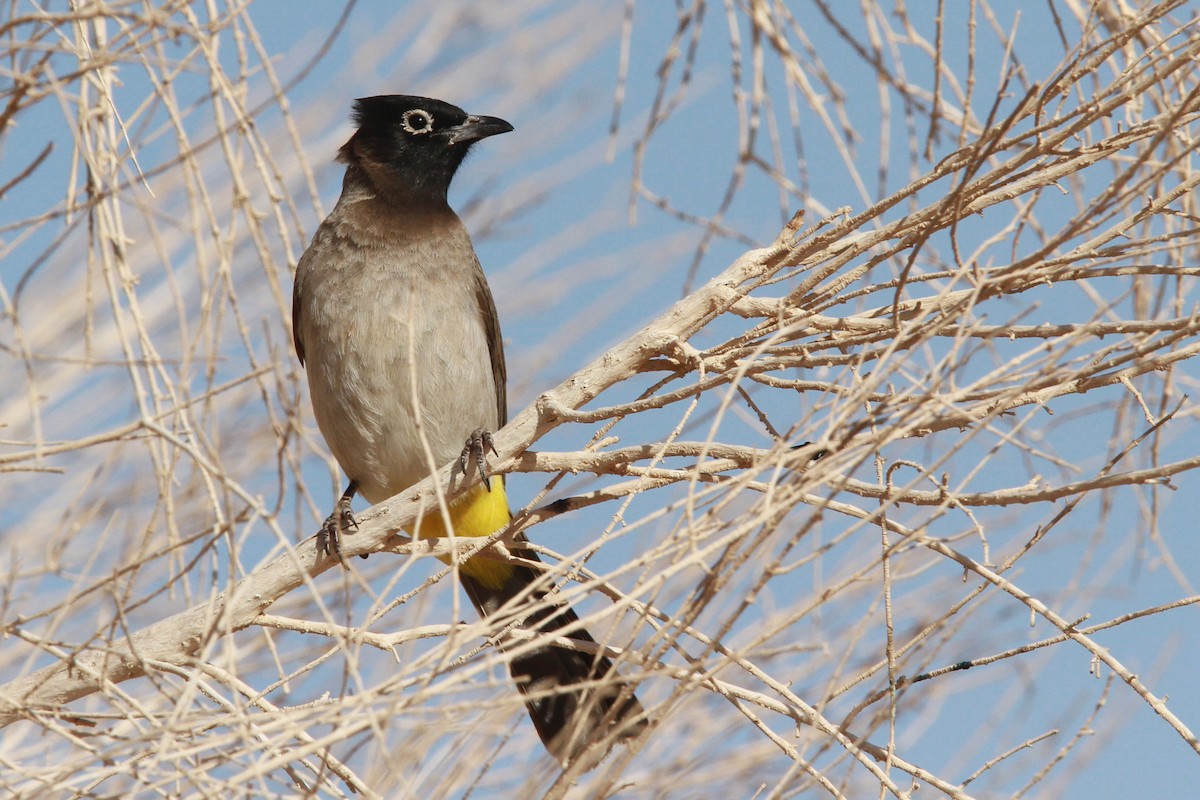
476	128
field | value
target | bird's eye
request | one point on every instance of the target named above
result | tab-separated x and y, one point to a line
417	121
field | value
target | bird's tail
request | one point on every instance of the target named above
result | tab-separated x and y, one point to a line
576	699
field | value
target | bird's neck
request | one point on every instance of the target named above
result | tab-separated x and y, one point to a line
396	187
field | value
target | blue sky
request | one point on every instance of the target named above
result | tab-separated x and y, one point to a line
576	267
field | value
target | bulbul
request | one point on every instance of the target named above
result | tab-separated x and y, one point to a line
395	323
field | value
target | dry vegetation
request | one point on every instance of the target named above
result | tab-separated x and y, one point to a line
993	361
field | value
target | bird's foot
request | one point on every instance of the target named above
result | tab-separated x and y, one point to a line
477	446
340	521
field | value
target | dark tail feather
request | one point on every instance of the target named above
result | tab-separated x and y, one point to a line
575	699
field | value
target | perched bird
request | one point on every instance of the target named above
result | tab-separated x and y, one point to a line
394	320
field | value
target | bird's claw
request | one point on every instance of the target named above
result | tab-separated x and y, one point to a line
341	520
479	443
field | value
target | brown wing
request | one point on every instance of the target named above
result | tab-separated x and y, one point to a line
296	308
491	329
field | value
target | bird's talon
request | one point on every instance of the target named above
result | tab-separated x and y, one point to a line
341	520
477	446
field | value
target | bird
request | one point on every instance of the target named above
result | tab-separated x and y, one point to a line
395	324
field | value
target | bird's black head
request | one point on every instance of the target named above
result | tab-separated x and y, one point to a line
410	147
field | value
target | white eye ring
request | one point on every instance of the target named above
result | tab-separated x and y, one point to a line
423	121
